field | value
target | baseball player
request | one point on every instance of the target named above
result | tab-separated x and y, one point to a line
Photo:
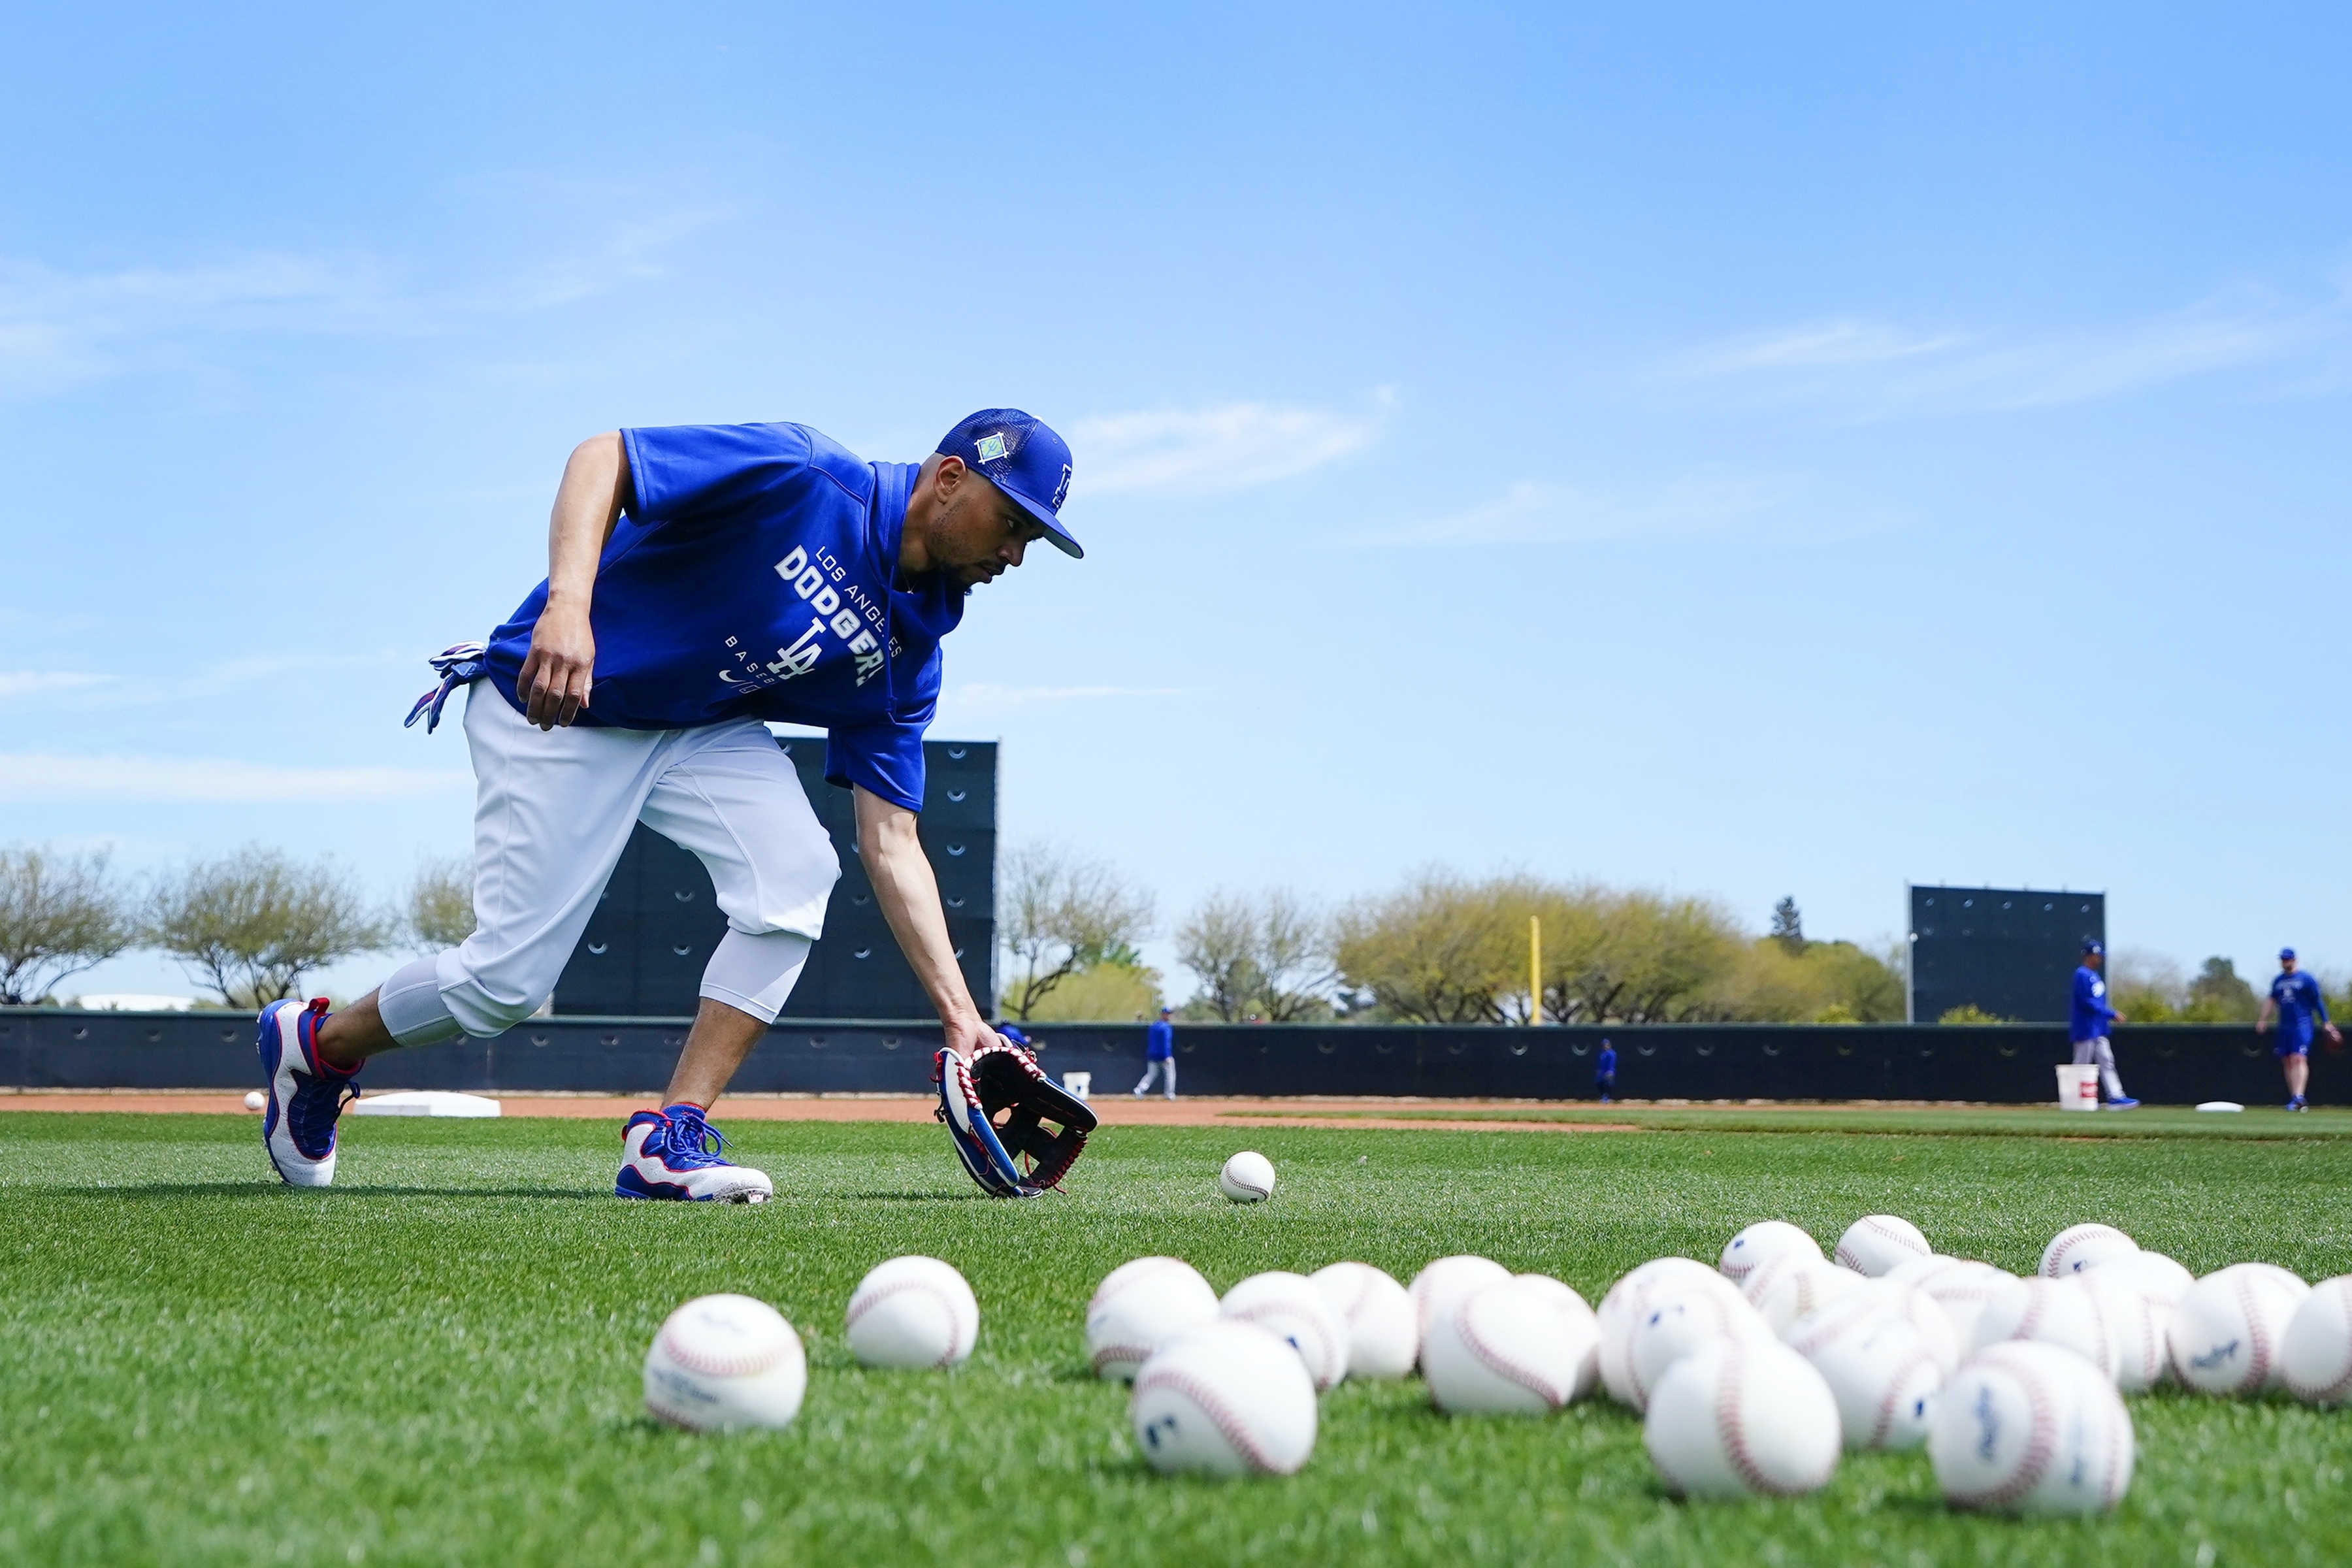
1604	1072
2295	999
2089	1021
702	581
1159	1055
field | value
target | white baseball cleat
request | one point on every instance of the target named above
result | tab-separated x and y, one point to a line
673	1153
306	1095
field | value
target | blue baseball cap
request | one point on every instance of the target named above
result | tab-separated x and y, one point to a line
1020	455
1011	1032
2287	953
2090	946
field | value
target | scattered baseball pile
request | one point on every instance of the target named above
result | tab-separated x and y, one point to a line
1751	1377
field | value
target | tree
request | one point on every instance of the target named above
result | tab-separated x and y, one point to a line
1442	949
1060	912
2220	995
251	925
440	912
1267	955
1641	958
59	915
1789	927
1970	1013
2147	987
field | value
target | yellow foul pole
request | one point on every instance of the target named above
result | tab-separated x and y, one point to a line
1535	969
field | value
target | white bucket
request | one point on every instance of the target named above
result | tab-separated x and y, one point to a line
2078	1086
1080	1084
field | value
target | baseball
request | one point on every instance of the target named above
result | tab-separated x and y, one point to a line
1678	1322
2225	1334
2136	1320
255	1099
1138	1307
1225	1399
1883	1374
725	1362
1962	1289
1742	1416
913	1311
1792	1284
2081	1246
1911	1270
1582	1324
1505	1349
1767	1239
2031	1428
1880	1297
1877	1242
1441	1284
1629	1301
2060	1312
1383	1329
2152	1272
2315	1351
1291	1308
1247	1178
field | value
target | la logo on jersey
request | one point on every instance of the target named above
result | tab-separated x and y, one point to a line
828	613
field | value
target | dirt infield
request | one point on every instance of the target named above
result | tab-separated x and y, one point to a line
1116	1110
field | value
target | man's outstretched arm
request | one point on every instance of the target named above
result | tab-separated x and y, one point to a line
557	673
910	896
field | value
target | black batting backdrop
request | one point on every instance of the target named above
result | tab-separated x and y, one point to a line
2010	950
656	924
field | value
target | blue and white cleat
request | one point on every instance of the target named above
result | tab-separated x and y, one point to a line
2125	1103
673	1153
306	1095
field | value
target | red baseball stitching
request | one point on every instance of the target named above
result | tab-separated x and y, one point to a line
2041	1443
1108	1354
713	1367
1324	1378
1531	1379
1215	1407
1894	1394
863	1303
2258	1337
1731	1427
1159	1267
2090	1233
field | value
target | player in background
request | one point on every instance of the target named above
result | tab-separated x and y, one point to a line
702	581
1159	1056
1604	1072
2295	999
2089	1021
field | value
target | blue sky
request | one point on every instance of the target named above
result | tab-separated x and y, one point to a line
1745	452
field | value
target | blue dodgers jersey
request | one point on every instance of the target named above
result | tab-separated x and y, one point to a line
2091	1012
751	577
2298	1001
1160	1041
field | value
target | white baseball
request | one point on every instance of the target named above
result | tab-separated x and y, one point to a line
1140	1306
1445	1281
1963	1287
1761	1241
1792	1284
1505	1350
1629	1301
1884	1376
2152	1272
2031	1428
1911	1270
1227	1399
913	1311
1885	1299
255	1099
1247	1178
1383	1329
2315	1351
2044	1310
2138	1320
2225	1334
1678	1322
1291	1308
1580	1322
1877	1242
721	1362
1739	1417
2081	1246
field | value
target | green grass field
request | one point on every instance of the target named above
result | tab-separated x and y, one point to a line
437	1361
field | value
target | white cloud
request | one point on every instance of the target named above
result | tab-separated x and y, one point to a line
31	776
1879	368
1537	514
1230	447
23	682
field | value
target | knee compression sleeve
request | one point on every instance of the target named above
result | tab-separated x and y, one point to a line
755	973
411	1003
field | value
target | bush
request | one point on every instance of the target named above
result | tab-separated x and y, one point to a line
250	925
59	915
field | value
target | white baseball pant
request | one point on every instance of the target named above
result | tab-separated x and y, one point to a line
552	812
2098	1049
1154	1067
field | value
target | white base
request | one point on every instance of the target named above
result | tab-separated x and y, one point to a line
424	1102
2220	1105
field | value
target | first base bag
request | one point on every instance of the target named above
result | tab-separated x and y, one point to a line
997	1108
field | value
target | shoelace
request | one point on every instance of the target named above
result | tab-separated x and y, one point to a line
314	1113
686	1133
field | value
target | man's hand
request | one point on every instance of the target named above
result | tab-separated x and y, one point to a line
2334	1035
560	669
966	1034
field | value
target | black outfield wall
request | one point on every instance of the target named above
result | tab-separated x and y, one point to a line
50	1048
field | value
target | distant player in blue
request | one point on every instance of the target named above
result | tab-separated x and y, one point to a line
1159	1056
2294	997
1604	1072
2089	1023
703	582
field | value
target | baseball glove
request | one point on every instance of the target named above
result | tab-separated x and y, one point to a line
997	1108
